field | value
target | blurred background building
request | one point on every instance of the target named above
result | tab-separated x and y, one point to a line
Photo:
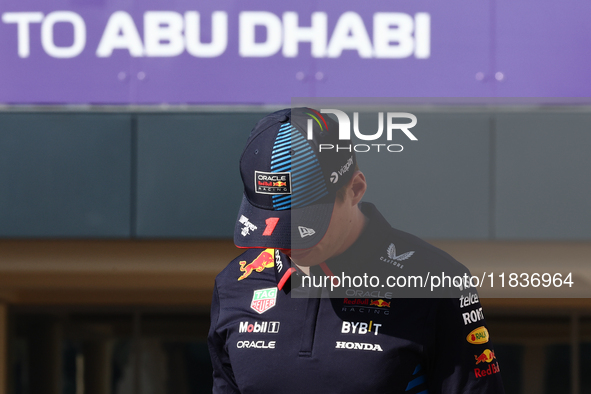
121	126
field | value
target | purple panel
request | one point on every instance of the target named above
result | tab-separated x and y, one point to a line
228	78
543	48
41	79
459	65
540	53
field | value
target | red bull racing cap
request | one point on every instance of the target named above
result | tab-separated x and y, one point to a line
292	167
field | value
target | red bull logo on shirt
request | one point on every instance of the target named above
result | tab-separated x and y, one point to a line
486	357
491	370
264	260
366	305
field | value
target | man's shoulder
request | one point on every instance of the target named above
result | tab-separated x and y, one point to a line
251	266
400	246
426	250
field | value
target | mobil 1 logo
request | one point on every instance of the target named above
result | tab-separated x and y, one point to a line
270	327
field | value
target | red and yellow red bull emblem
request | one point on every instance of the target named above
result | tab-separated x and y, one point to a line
485	357
478	336
264	260
380	303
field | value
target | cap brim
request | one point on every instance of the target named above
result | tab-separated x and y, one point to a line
300	228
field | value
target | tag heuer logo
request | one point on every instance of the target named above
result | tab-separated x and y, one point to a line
264	299
305	231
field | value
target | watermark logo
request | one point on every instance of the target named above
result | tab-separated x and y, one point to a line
392	125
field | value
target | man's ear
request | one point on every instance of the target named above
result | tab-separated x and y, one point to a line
357	187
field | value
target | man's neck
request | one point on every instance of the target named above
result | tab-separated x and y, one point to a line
358	224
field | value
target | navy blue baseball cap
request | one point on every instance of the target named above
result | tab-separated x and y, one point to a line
292	167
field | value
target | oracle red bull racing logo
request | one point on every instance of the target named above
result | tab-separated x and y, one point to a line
266	259
366	305
486	357
272	182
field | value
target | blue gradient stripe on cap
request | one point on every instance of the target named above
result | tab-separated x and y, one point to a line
281	162
306	176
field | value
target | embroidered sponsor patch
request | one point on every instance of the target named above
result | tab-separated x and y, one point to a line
271	327
263	260
478	336
491	370
306	231
248	226
358	346
272	182
486	357
396	259
380	303
264	299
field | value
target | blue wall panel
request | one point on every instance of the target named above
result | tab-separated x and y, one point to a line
188	178
65	175
543	176
438	186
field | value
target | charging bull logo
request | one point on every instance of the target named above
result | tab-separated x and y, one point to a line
486	357
380	303
264	260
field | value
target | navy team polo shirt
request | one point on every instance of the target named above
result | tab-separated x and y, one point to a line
264	340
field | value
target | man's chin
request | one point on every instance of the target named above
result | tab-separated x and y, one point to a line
300	254
306	261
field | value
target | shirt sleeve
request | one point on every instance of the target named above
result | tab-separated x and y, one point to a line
223	376
461	357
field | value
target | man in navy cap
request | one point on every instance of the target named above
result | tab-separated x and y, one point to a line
295	312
